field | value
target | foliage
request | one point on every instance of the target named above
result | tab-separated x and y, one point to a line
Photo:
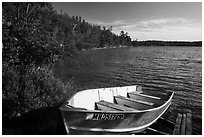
42	89
24	40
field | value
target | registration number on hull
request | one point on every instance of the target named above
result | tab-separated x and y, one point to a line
98	116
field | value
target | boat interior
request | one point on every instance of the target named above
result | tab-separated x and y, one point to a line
129	98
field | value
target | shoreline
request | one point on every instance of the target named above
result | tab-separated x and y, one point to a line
114	47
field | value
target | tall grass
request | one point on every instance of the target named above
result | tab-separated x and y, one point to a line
41	89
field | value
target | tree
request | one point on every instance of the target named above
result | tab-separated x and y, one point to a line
24	40
125	39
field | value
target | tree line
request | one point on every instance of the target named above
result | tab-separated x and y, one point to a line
166	43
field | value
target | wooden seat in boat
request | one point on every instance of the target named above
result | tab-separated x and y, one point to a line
144	97
133	103
158	95
108	106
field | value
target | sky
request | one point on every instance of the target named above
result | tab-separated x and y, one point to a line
175	21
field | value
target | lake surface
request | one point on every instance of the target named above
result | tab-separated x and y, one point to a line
177	69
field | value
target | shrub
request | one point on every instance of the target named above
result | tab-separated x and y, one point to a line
10	87
41	89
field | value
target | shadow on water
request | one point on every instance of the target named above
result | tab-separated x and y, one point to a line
44	121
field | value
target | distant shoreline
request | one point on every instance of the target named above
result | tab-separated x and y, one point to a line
145	45
167	43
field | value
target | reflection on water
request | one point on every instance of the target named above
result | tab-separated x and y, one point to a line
177	69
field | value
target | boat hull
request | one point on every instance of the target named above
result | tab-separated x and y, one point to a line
79	121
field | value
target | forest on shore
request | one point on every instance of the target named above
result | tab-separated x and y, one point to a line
34	37
167	43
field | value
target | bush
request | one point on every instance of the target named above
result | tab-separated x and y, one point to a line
10	87
41	89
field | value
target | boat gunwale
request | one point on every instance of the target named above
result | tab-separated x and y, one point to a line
113	112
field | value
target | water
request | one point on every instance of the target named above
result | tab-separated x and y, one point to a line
177	69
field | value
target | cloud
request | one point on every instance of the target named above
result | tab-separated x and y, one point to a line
181	33
160	28
155	24
116	23
144	25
